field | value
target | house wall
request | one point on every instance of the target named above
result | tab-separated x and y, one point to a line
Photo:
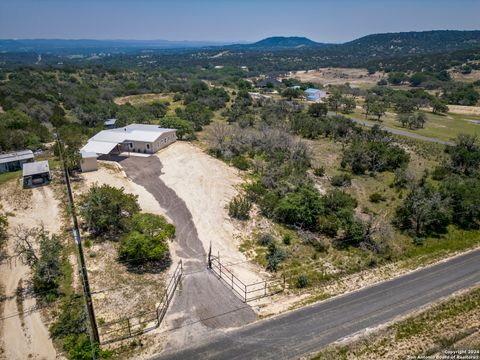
152	147
37	179
13	165
88	164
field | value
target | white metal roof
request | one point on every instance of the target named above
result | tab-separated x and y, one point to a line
37	167
98	147
106	140
87	154
15	156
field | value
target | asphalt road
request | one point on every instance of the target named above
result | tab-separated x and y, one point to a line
301	332
405	133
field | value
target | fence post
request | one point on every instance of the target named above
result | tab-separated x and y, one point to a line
245	293
232	280
129	330
220	266
265	287
283	281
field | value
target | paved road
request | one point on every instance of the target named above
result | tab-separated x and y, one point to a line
202	296
405	133
306	330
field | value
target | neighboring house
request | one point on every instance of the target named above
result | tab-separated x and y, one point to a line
313	94
139	138
36	173
15	160
88	161
110	123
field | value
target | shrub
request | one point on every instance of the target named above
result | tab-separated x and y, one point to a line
341	180
319	171
107	210
265	239
80	348
275	256
147	242
302	281
239	207
240	162
287	239
376	197
300	208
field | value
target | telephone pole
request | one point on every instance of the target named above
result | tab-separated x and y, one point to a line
76	234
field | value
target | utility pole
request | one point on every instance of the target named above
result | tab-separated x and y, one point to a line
76	234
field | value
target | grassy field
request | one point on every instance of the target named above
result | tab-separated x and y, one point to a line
444	127
451	324
6	177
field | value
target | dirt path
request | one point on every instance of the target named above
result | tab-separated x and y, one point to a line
203	303
25	336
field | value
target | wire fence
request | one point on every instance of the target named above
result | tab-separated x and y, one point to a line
125	328
246	292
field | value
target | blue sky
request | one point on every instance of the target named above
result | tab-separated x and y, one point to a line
229	20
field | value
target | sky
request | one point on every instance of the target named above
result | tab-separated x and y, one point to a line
230	20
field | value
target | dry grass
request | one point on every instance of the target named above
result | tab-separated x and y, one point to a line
465	110
140	99
338	76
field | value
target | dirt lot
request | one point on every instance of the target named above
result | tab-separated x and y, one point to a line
338	76
139	99
25	336
196	205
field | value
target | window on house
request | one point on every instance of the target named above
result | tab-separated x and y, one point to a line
148	146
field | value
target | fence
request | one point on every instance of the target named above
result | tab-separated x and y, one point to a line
128	327
246	292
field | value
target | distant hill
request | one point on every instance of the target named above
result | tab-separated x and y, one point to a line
284	42
415	42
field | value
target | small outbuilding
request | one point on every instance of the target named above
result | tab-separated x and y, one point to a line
313	94
36	173
88	162
14	161
110	123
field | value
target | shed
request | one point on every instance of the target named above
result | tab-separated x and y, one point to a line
110	123
88	161
14	161
36	173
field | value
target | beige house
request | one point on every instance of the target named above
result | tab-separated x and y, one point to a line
134	138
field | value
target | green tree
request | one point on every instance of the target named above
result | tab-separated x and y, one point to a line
147	241
465	155
318	110
184	128
107	211
423	212
439	106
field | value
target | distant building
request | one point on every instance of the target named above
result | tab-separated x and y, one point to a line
14	161
88	162
295	87
313	94
36	173
139	138
110	123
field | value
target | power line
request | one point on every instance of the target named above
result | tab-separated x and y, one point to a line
76	234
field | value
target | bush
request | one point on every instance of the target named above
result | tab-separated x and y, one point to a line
275	256
376	198
302	281
265	239
107	211
300	208
147	241
341	180
287	239
319	171
80	348
239	207
240	162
